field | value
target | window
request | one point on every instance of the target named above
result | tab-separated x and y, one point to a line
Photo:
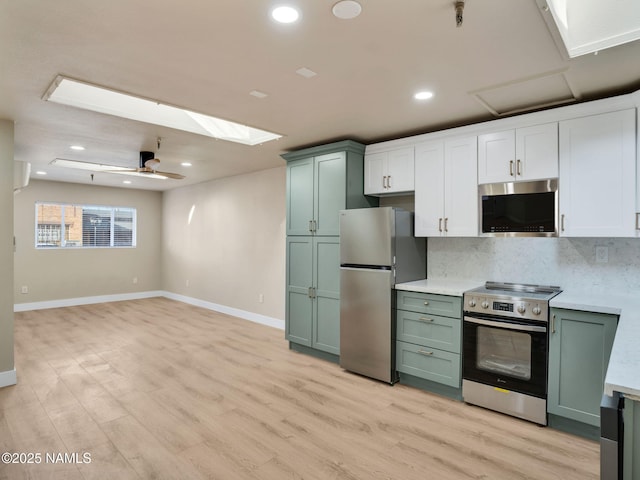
63	226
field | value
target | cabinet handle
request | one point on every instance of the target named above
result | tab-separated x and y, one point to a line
637	227
389	181
511	167
518	171
426	303
315	226
440	224
446	220
426	319
309	292
562	222
425	353
384	182
553	323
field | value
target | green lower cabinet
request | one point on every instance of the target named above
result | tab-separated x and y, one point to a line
423	329
313	292
428	341
428	363
631	460
579	348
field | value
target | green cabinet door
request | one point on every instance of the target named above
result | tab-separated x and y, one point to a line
300	187
330	192
326	318
579	349
299	282
313	292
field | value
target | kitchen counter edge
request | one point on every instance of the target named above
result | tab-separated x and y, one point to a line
445	286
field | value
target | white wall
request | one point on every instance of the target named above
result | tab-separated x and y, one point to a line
7	375
567	262
224	242
59	274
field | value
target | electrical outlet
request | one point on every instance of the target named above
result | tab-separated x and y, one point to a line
186	283
24	289
261	298
135	280
602	254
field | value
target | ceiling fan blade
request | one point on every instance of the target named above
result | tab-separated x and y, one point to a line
175	176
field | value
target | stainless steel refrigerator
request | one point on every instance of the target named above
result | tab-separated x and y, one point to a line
377	250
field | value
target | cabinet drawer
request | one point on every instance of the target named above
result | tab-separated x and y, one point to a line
428	363
429	330
443	305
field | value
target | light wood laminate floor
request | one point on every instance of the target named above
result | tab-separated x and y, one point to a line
160	389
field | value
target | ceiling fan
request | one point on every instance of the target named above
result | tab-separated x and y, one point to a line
149	164
147	168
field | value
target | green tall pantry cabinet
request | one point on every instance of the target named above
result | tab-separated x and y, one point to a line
321	181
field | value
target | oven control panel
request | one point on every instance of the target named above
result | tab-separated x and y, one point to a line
521	308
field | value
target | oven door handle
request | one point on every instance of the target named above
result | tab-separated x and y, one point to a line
510	326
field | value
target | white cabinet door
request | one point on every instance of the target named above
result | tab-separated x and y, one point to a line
389	172
446	197
375	166
461	187
429	183
400	171
529	153
496	162
597	175
537	152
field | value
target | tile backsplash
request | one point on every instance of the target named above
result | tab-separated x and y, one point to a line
568	262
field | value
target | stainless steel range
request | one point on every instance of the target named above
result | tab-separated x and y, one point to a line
505	342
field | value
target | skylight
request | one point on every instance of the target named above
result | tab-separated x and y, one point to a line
90	97
587	26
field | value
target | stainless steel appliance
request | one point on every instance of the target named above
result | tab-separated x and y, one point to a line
519	209
505	348
611	437
377	250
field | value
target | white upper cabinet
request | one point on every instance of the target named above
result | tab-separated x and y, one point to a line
446	195
389	172
598	175
529	153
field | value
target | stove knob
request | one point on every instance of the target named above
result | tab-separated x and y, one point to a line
485	304
521	308
536	310
472	302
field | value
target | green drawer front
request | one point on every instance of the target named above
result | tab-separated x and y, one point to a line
443	305
429	330
428	363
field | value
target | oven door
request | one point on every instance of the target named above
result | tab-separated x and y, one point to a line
505	353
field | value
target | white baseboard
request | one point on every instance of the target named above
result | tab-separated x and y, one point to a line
73	302
8	378
236	312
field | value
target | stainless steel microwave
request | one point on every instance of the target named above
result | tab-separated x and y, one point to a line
519	209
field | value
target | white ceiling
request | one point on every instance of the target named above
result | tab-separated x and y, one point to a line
207	56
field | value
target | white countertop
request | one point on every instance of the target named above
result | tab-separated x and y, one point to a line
624	365
441	286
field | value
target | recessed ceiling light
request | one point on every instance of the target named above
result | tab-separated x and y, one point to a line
186	164
76	147
128	182
91	97
347	9
285	14
258	94
424	95
41	172
305	72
